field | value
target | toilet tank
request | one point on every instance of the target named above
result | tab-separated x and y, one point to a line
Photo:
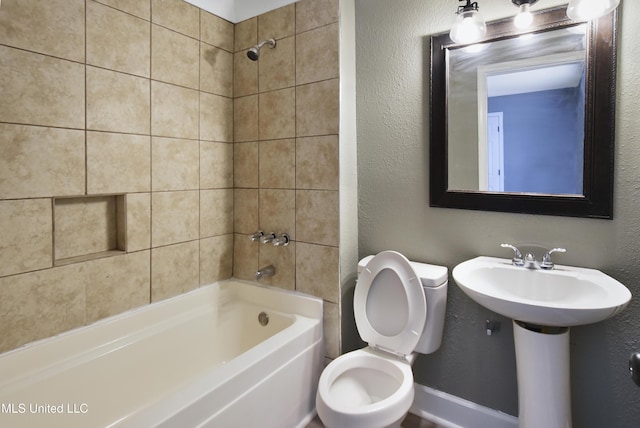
435	282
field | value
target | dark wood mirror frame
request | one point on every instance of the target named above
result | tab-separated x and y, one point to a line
597	198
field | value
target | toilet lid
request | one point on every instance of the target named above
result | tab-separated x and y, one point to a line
389	304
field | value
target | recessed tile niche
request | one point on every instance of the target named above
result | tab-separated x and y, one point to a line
88	227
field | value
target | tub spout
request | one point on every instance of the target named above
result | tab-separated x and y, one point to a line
265	271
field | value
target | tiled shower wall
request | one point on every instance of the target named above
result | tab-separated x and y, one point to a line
286	117
117	183
126	106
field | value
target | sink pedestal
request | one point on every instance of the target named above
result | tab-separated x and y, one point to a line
542	360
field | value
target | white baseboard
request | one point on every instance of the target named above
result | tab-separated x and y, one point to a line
450	411
307	419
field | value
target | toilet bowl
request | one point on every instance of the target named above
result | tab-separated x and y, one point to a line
365	389
399	309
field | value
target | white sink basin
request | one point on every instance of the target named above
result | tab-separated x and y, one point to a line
563	297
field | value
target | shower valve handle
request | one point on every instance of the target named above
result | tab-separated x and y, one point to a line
268	238
281	241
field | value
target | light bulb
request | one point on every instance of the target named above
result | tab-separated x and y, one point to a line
524	18
469	27
586	10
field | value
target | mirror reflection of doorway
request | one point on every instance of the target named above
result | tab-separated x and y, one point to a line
543	135
542	104
495	141
542	126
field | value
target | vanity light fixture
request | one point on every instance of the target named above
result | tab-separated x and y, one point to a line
468	26
524	18
586	10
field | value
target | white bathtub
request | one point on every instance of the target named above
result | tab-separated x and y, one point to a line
199	359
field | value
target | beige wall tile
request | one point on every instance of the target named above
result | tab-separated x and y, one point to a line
331	327
278	164
216	118
40	161
84	226
40	304
317	217
245	257
117	102
139	8
318	108
174	217
245	75
317	54
117	40
138	220
277	67
40	90
246	161
174	164
54	27
118	163
174	270
315	13
121	225
245	122
175	58
277	114
177	15
216	212
216	31
246	34
216	258
51	162
174	111
216	70
284	260
245	211
117	284
317	163
317	269
216	165
278	211
277	23
27	236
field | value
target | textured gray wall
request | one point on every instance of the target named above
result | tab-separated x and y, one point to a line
392	43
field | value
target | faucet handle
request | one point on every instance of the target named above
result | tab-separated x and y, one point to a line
282	240
268	238
546	262
256	236
517	255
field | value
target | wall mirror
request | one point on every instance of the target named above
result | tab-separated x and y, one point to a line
523	121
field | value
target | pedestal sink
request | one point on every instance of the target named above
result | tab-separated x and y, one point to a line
543	305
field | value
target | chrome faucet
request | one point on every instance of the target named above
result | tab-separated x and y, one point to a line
282	240
265	271
267	238
517	259
256	236
529	260
546	263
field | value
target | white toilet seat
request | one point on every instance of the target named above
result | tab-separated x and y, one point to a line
362	389
389	304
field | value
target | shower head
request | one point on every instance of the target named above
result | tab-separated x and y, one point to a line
254	52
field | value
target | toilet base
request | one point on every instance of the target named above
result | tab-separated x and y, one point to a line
397	424
365	389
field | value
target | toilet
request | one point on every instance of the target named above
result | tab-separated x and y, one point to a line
399	307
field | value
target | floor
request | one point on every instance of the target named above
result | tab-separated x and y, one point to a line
411	421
